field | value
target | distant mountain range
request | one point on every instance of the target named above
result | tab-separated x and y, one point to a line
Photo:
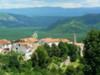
52	11
51	23
13	20
56	22
77	24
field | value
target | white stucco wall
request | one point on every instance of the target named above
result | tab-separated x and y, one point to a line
50	44
6	46
19	48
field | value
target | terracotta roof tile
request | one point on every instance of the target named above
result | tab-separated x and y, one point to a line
29	40
54	40
4	42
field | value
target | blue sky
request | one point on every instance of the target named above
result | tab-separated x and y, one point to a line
48	3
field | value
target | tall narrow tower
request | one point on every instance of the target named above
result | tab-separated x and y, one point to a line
74	38
35	35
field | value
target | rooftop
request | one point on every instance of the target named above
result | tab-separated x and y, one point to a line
4	41
27	40
48	40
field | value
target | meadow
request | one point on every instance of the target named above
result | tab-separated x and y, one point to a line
18	33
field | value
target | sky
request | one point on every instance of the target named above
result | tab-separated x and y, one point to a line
8	4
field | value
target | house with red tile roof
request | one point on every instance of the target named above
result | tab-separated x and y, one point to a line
29	39
5	45
55	41
25	46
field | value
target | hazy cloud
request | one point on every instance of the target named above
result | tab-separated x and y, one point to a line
49	3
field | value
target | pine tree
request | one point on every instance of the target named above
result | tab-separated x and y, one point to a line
92	53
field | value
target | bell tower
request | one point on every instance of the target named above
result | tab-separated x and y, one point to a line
74	38
35	35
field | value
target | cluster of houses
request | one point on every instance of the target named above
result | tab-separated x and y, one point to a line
27	46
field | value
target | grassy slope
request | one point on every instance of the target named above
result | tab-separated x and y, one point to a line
17	33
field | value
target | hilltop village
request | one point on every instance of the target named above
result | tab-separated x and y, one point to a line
27	46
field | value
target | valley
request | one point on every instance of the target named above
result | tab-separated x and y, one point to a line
15	27
49	37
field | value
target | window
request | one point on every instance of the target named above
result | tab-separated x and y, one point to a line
16	48
19	45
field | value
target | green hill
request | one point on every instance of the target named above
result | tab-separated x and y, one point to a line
17	26
13	20
79	25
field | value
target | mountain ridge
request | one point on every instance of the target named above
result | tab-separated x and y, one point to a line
15	20
77	24
47	26
52	11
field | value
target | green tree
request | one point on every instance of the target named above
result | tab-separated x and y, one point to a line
63	48
73	52
40	58
48	49
92	53
74	71
70	70
11	62
55	50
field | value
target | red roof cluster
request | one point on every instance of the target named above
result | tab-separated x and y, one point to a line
4	42
29	40
48	40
